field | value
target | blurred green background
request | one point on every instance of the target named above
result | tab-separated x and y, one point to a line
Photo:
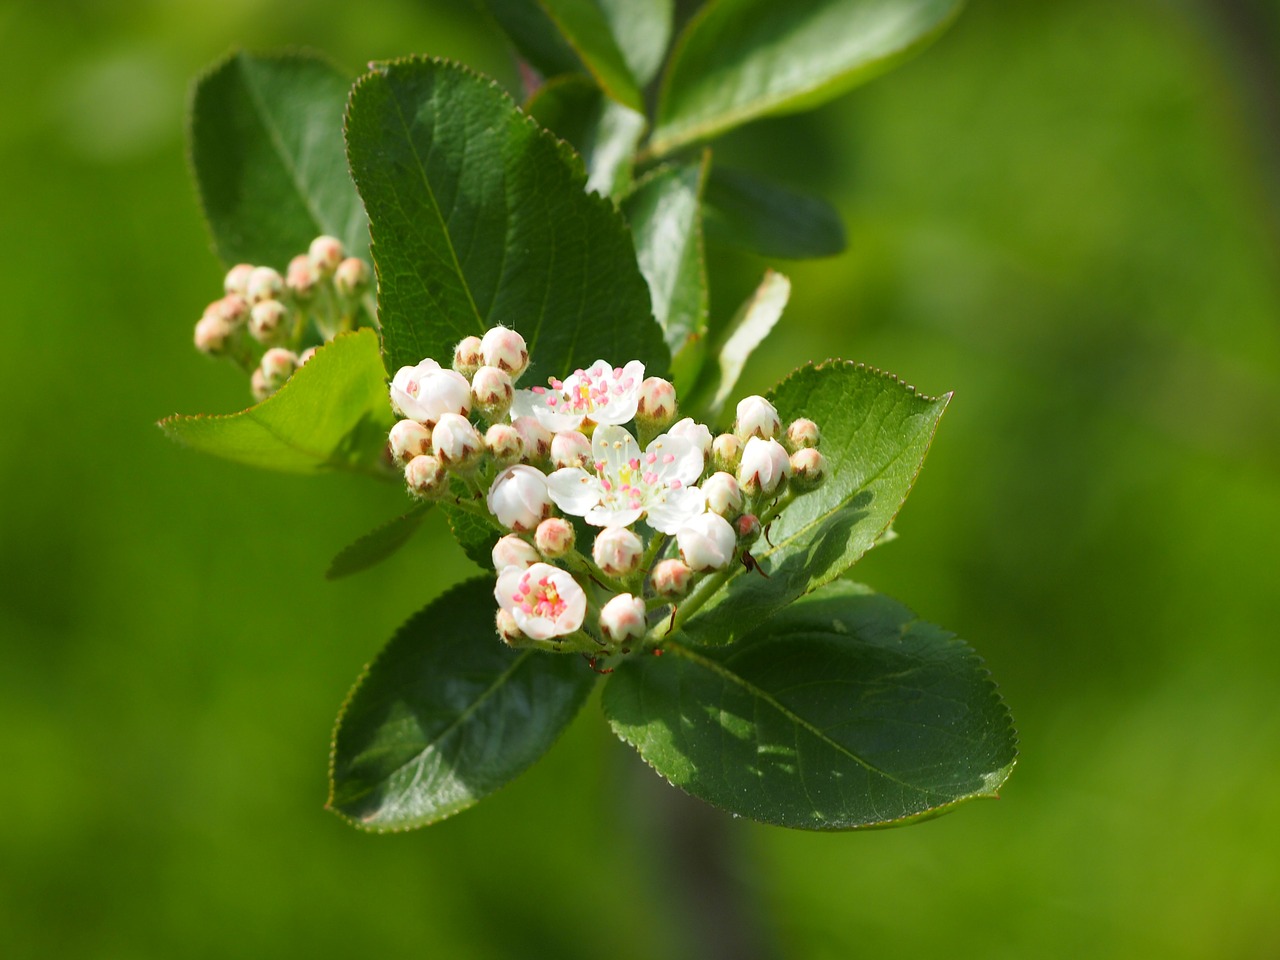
1064	211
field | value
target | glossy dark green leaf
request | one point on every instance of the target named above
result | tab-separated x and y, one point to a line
474	534
842	712
333	414
752	322
479	217
377	545
666	221
875	433
603	131
269	161
446	715
643	30
742	59
769	219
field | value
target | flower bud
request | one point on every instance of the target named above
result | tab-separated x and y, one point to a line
425	392
426	478
264	284
657	405
519	498
726	453
569	448
325	254
803	434
492	392
232	308
456	441
305	356
466	356
351	278
409	439
511	551
747	527
301	277
277	366
757	417
508	629
237	279
617	551
696	433
707	542
212	334
554	537
622	619
503	443
506	350
808	469
535	437
268	322
723	494
765	467
258	384
671	579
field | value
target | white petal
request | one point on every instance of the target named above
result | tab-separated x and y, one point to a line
556	422
508	580
574	490
602	516
687	465
682	506
523	403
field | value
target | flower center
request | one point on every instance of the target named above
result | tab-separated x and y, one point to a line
539	598
586	391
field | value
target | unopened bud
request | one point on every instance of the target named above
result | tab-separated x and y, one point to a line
212	334
519	498
264	284
269	322
426	478
506	350
657	404
617	551
622	619
569	448
492	392
671	579
554	537
808	469
747	527
409	439
535	437
503	443
237	279
508	629
425	392
707	542
511	551
803	434
765	467
696	433
757	417
277	366
456	441
723	494
325	254
726	453
351	278
258	384
301	277
232	308
305	356
466	357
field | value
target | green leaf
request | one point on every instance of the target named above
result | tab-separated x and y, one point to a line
446	715
666	223
769	219
746	331
333	414
643	30
743	59
267	152
377	545
474	534
603	131
479	217
842	712
875	433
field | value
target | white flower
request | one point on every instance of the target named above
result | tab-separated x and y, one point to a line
690	429
724	495
601	393
426	391
617	551
511	551
623	618
707	542
544	601
627	484
765	465
519	498
757	417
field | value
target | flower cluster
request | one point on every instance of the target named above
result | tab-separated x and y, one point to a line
270	324
600	454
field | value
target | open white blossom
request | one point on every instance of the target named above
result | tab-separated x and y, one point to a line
602	393
544	600
626	484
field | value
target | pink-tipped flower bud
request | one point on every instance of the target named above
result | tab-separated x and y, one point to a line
765	467
232	308
506	350
269	322
671	579
508	629
301	277
409	439
726	453
264	284
723	494
212	334
325	254
808	469
707	542
466	356
456	442
305	356
503	443
622	619
351	278
277	366
511	551
554	537
569	448
492	392
657	405
535	437
519	498
426	478
617	551
747	527
803	434
425	392
696	433
258	384
237	279
757	417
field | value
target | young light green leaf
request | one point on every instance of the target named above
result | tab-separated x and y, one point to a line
746	331
666	223
479	217
875	433
743	59
446	715
377	545
842	712
267	152
769	219
603	131
333	414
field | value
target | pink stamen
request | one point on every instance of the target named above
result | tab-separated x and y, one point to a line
651	458
675	484
650	478
634	464
668	458
539	390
